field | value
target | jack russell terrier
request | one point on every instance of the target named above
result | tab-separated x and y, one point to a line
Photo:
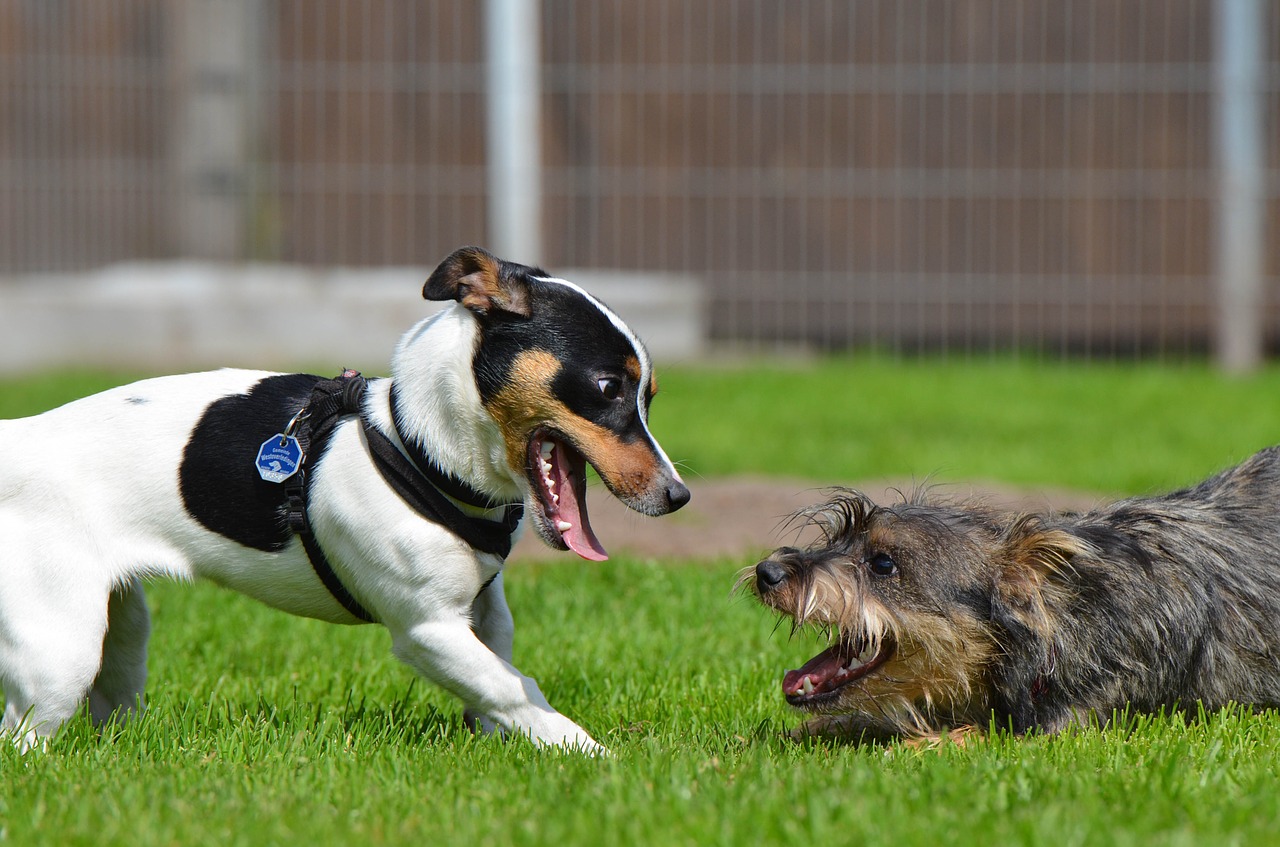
394	500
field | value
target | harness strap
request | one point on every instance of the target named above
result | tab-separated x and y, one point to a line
411	474
418	487
331	399
456	488
324	570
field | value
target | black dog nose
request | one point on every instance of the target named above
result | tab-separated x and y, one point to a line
677	496
769	575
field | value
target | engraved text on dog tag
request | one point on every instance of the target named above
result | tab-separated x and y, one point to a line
279	458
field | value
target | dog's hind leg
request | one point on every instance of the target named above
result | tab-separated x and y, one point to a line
118	688
49	663
448	653
492	623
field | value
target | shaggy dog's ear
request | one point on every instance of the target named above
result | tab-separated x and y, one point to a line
480	281
1031	555
1031	559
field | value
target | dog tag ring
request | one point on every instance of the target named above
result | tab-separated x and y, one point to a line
280	456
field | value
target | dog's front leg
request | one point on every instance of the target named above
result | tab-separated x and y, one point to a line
492	623
449	653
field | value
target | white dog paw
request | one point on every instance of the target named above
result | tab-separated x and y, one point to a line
569	736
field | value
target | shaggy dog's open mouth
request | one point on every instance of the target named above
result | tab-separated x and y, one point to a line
558	476
845	662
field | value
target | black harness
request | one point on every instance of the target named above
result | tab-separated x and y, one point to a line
409	471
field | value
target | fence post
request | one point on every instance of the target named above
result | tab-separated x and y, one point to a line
1241	173
513	134
214	48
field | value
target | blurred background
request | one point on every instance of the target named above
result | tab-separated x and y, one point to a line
187	181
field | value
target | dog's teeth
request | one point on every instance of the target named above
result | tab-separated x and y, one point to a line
546	450
807	686
564	526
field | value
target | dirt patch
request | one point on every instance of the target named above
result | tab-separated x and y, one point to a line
743	517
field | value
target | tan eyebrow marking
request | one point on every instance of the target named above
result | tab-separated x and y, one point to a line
632	366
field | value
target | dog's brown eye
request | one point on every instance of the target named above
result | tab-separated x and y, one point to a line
610	387
882	564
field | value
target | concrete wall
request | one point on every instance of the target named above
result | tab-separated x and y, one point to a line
171	317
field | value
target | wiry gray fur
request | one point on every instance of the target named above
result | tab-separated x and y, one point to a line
1151	603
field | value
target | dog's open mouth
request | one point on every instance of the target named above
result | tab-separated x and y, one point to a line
848	660
558	474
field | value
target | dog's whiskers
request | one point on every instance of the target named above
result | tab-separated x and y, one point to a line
970	614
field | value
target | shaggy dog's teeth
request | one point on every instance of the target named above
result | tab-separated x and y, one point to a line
564	526
807	686
546	450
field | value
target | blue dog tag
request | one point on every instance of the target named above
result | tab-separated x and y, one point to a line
279	458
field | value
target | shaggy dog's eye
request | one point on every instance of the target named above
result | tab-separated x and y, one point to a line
882	564
610	387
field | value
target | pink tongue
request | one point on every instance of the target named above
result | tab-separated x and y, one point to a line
579	536
821	667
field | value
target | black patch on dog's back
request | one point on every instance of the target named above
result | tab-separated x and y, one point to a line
219	479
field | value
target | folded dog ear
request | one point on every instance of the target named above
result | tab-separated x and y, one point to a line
1031	555
1025	602
480	281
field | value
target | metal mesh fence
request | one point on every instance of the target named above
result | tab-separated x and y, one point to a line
908	174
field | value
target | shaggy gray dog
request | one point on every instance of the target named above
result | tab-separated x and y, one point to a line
945	616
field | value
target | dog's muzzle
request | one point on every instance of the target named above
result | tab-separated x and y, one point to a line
769	575
677	495
775	570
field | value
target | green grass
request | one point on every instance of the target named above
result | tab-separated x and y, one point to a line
1113	428
293	732
263	728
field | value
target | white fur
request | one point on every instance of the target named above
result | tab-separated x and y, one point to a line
90	506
